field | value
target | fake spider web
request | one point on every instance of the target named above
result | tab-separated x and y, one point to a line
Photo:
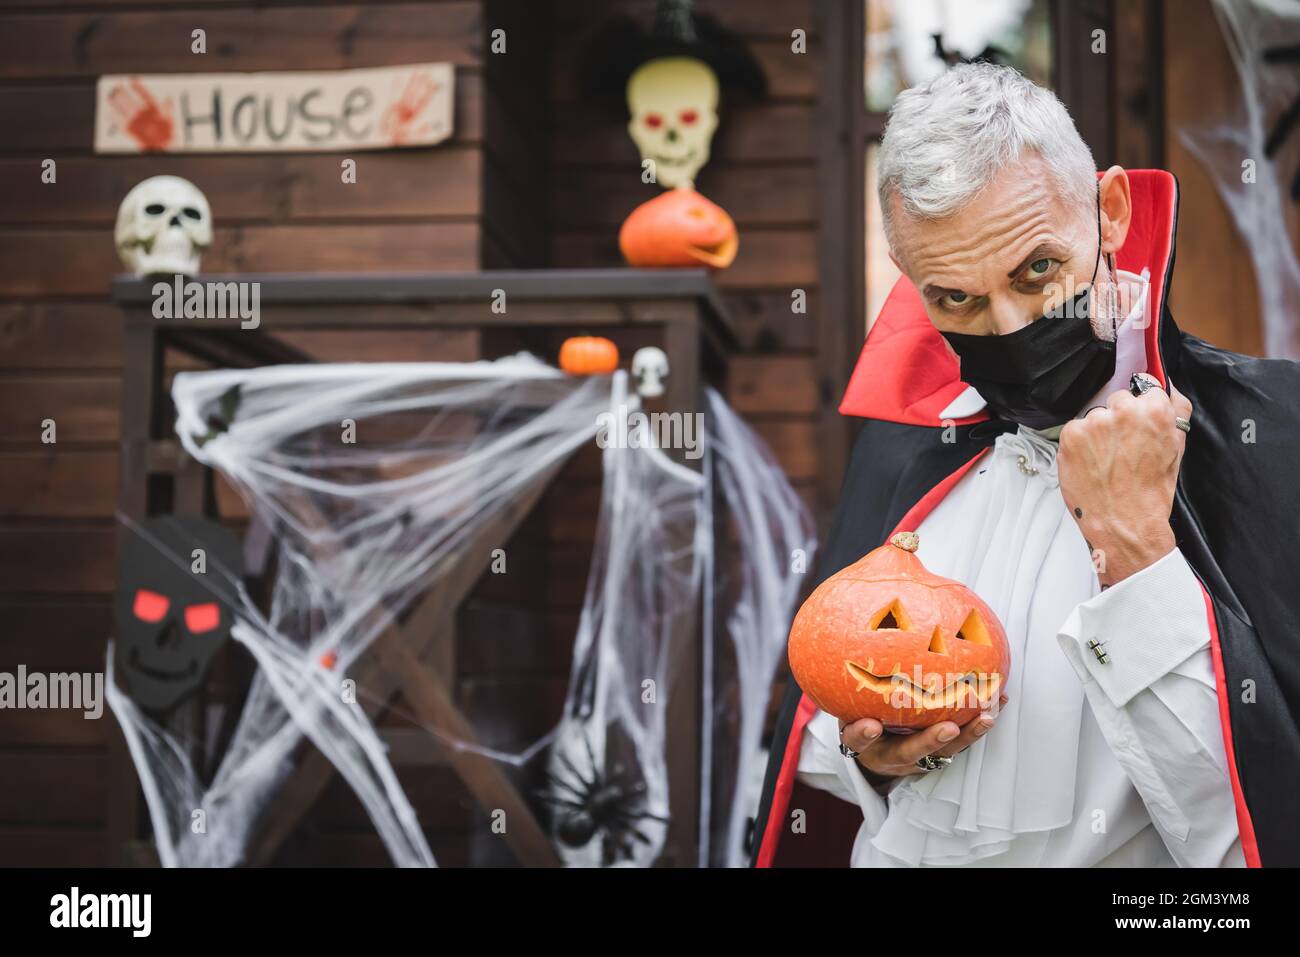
1253	155
375	532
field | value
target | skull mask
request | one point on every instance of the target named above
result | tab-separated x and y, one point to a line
171	618
674	107
163	226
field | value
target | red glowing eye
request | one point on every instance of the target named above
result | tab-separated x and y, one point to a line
688	116
149	605
654	120
201	618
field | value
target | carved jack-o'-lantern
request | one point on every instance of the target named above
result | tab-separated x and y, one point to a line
679	228
884	638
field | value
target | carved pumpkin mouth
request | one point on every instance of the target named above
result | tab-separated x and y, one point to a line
719	255
900	690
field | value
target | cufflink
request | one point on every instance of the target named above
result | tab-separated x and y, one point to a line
1096	648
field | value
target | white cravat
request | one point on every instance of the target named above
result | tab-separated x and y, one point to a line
1089	764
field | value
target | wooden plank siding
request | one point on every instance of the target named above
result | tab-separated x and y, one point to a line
533	176
458	206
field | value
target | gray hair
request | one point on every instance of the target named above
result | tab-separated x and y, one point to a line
948	139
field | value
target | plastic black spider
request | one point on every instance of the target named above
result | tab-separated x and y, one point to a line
990	53
605	804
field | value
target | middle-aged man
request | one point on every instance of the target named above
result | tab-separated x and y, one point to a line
1123	495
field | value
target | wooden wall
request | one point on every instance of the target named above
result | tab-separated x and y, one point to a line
458	206
477	201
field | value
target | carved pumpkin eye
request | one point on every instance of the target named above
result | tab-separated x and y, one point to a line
974	630
891	618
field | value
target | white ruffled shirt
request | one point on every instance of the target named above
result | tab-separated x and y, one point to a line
1089	764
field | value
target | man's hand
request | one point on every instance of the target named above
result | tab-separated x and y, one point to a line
895	755
1118	466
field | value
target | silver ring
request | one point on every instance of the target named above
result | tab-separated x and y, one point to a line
932	762
845	749
1140	383
1184	424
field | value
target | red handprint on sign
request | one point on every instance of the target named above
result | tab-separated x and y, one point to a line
151	125
398	121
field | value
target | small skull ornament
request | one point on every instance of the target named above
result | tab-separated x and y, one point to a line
674	107
163	226
649	368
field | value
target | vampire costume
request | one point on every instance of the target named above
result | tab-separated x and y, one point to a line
1234	520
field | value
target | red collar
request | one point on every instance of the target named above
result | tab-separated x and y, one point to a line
904	372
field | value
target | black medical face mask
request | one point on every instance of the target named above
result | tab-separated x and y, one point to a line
1041	375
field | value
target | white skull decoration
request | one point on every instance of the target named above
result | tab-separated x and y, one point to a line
163	226
650	368
674	107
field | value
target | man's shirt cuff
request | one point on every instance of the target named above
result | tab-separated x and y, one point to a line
1145	626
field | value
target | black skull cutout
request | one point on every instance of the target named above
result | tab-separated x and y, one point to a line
172	618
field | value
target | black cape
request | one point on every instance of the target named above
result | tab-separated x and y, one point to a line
1236	518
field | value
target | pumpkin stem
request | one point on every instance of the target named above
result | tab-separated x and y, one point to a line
907	541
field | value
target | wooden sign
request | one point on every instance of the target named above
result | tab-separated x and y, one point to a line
367	109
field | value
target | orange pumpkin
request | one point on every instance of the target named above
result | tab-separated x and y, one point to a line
588	355
679	228
884	638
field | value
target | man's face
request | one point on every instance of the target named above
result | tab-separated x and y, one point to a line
1014	252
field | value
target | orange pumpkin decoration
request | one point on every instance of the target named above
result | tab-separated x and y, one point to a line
679	228
588	355
886	639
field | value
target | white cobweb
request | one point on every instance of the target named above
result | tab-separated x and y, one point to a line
1253	155
377	529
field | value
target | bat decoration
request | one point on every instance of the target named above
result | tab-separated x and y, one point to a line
595	804
990	53
1286	122
621	45
176	591
229	403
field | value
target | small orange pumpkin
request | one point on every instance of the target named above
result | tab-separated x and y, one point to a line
679	228
588	355
884	638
